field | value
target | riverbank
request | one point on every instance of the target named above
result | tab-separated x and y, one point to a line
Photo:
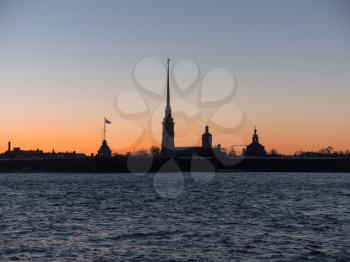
123	164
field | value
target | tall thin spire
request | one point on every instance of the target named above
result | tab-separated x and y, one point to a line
168	108
168	121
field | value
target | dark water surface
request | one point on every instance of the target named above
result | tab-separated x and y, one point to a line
120	217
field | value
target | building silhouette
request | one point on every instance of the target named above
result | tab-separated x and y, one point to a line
168	147
104	150
205	150
207	140
255	149
19	153
168	123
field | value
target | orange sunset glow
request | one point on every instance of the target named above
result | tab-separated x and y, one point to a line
60	75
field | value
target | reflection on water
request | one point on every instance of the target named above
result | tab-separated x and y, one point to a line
235	217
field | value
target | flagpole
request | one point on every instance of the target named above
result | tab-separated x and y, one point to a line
104	129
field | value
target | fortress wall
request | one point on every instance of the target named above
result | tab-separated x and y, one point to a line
148	164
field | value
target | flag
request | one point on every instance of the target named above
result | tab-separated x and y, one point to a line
107	121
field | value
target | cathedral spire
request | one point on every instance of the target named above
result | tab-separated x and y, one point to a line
168	108
168	122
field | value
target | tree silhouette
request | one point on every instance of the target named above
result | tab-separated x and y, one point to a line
273	152
154	151
327	151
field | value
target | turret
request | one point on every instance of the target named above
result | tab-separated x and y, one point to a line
207	139
255	138
104	150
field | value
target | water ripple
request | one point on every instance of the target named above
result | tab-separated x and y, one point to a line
236	217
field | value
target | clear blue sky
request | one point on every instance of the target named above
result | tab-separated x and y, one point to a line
65	60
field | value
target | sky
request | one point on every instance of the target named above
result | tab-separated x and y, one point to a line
63	63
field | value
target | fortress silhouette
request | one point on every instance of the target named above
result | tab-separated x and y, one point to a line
168	148
204	158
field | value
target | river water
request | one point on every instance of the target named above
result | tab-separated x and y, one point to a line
198	217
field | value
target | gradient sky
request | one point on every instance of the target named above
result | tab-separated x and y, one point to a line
63	62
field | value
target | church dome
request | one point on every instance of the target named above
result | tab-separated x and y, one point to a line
255	149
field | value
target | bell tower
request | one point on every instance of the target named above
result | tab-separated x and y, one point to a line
168	122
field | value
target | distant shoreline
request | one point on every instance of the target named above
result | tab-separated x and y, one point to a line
123	164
